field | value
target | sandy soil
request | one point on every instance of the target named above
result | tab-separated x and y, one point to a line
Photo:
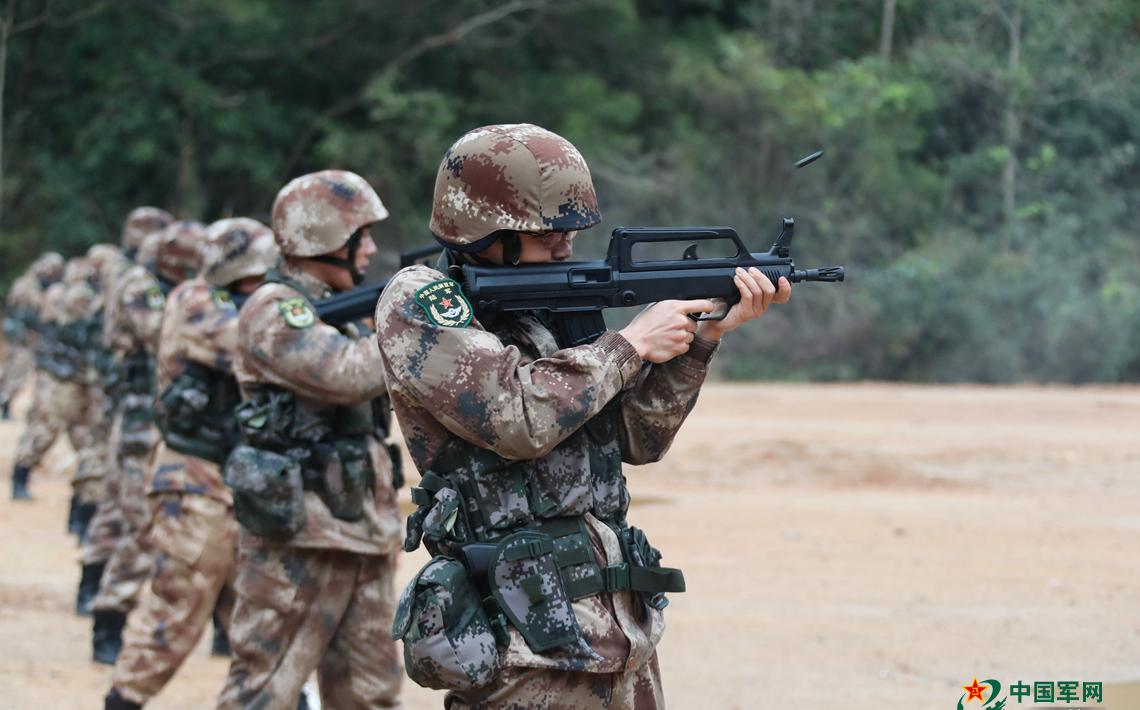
845	547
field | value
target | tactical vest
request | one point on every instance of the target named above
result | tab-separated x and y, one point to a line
60	351
133	391
196	413
292	443
517	528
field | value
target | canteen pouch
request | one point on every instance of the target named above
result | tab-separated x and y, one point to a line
346	474
525	580
268	492
448	641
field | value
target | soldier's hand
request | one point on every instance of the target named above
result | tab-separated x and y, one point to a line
756	294
664	330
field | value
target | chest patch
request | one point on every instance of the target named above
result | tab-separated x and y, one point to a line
223	300
297	312
444	304
155	300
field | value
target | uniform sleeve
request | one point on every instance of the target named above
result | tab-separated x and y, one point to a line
207	331
316	361
482	390
652	412
140	315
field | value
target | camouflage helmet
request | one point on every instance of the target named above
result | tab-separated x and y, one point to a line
48	268
79	269
236	249
147	255
141	222
179	254
516	177
317	213
107	260
100	254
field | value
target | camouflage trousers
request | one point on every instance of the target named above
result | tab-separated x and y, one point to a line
129	564
300	610
19	362
195	544
90	478
517	688
52	415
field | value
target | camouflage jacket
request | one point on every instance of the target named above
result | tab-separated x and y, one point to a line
82	305
321	366
199	325
23	303
132	318
489	399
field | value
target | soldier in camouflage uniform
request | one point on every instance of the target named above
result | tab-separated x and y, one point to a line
32	290
60	398
539	593
22	323
140	238
312	483
192	527
132	323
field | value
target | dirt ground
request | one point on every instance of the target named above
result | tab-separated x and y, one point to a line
846	546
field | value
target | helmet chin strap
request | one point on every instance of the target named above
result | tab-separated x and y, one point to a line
349	262
512	248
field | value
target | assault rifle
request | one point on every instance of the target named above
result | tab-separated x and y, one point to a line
576	293
360	302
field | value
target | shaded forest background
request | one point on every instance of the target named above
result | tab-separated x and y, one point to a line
980	178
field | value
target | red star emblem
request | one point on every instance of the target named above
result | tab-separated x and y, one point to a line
446	302
975	690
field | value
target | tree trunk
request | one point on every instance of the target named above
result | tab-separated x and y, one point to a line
887	34
1012	119
5	32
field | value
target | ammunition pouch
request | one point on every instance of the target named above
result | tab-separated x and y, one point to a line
338	468
449	640
136	373
15	331
268	492
346	477
530	577
196	413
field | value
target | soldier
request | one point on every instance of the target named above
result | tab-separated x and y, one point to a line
45	271
312	484
21	324
557	599
59	402
133	323
140	237
192	526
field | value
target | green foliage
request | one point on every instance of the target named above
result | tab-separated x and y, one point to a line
688	112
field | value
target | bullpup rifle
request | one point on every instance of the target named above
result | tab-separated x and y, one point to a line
576	293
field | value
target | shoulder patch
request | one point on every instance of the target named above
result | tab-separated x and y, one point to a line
444	303
155	299
297	312
223	300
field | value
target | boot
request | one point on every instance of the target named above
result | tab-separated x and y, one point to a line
107	636
221	644
20	483
86	515
6	412
88	588
114	701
